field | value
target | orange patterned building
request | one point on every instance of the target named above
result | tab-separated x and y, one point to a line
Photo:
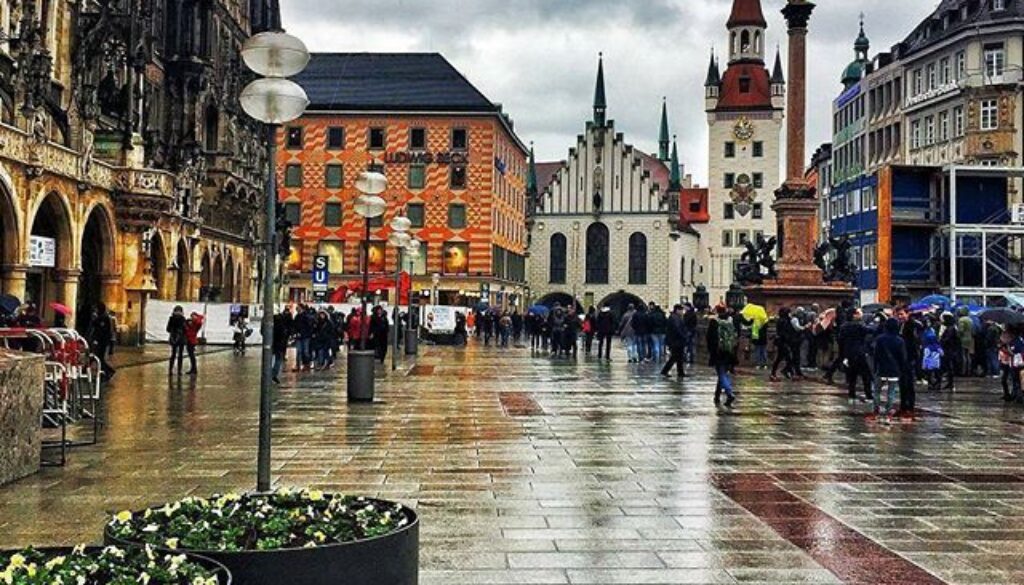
454	166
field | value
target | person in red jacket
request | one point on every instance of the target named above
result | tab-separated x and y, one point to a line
354	329
192	328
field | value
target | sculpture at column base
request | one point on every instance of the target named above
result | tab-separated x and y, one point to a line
776	295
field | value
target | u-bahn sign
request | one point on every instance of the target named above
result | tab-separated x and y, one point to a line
321	275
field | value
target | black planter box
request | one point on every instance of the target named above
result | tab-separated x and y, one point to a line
218	569
392	559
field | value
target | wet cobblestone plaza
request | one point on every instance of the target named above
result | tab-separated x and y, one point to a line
528	470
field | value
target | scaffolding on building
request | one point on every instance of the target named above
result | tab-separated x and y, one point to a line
985	250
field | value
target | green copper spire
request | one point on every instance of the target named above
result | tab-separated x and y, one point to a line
531	176
663	137
675	183
600	103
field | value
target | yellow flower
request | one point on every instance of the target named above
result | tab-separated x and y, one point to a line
17	561
123	517
319	536
31	569
54	562
172	543
316	495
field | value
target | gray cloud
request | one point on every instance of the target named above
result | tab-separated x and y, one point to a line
539	57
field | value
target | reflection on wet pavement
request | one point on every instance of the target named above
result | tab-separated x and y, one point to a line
526	470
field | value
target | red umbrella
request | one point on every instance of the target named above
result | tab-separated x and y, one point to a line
62	309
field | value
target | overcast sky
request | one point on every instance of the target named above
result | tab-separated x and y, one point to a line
539	57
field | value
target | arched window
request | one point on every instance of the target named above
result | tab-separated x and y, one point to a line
557	264
638	259
597	254
758	48
682	270
745	41
212	129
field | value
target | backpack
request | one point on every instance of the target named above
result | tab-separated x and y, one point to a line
932	360
726	337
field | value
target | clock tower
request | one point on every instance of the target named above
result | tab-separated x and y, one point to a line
744	105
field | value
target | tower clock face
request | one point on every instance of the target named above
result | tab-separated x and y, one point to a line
743	130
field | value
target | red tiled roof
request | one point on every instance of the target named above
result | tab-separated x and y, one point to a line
546	172
747	13
660	173
760	91
700	214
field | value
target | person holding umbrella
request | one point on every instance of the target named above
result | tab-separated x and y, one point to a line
101	338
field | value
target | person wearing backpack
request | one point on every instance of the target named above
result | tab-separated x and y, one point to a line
783	347
721	342
891	362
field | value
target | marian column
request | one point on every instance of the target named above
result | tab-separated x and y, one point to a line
799	281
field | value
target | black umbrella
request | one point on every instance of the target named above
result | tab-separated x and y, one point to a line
875	307
1003	316
9	304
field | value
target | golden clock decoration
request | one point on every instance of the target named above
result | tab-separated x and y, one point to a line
743	130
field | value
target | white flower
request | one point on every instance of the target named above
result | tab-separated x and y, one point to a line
151	528
55	561
171	543
144	578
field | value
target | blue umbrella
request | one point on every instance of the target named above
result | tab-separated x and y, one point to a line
940	300
540	310
921	307
9	304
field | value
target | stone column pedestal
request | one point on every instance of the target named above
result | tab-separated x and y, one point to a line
21	411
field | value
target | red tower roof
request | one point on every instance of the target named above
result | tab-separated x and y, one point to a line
747	13
745	86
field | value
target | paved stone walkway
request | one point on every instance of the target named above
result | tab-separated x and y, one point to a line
528	470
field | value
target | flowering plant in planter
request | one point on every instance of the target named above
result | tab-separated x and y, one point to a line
110	565
284	519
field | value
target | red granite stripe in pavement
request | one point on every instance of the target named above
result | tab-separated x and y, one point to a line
519	404
848	554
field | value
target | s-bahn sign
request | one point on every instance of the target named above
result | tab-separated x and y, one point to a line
426	158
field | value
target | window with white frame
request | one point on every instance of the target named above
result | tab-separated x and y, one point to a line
958	121
944	71
961	64
931	76
998	4
989	115
995	62
917	82
943	126
929	134
915	134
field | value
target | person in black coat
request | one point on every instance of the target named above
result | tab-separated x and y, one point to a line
951	348
783	345
721	359
605	331
102	338
279	344
891	364
176	337
853	348
379	330
675	339
910	332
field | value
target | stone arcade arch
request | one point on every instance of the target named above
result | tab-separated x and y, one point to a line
158	264
97	248
205	276
10	250
183	285
55	281
619	302
228	286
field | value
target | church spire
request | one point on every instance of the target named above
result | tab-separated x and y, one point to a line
714	77
531	177
778	77
675	183
663	135
600	103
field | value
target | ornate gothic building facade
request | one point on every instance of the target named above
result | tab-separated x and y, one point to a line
604	224
127	169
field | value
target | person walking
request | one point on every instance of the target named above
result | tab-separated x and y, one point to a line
890	358
910	332
690	327
853	347
279	344
517	326
952	349
323	340
461	333
505	329
965	329
379	332
642	332
675	338
1011	362
605	332
721	343
176	338
589	329
759	342
305	328
659	331
628	334
192	328
783	345
102	339
556	327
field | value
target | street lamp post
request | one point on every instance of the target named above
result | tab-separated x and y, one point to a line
273	100
369	205
412	251
400	239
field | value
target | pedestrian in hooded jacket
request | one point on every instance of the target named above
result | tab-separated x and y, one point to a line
605	332
891	365
176	338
